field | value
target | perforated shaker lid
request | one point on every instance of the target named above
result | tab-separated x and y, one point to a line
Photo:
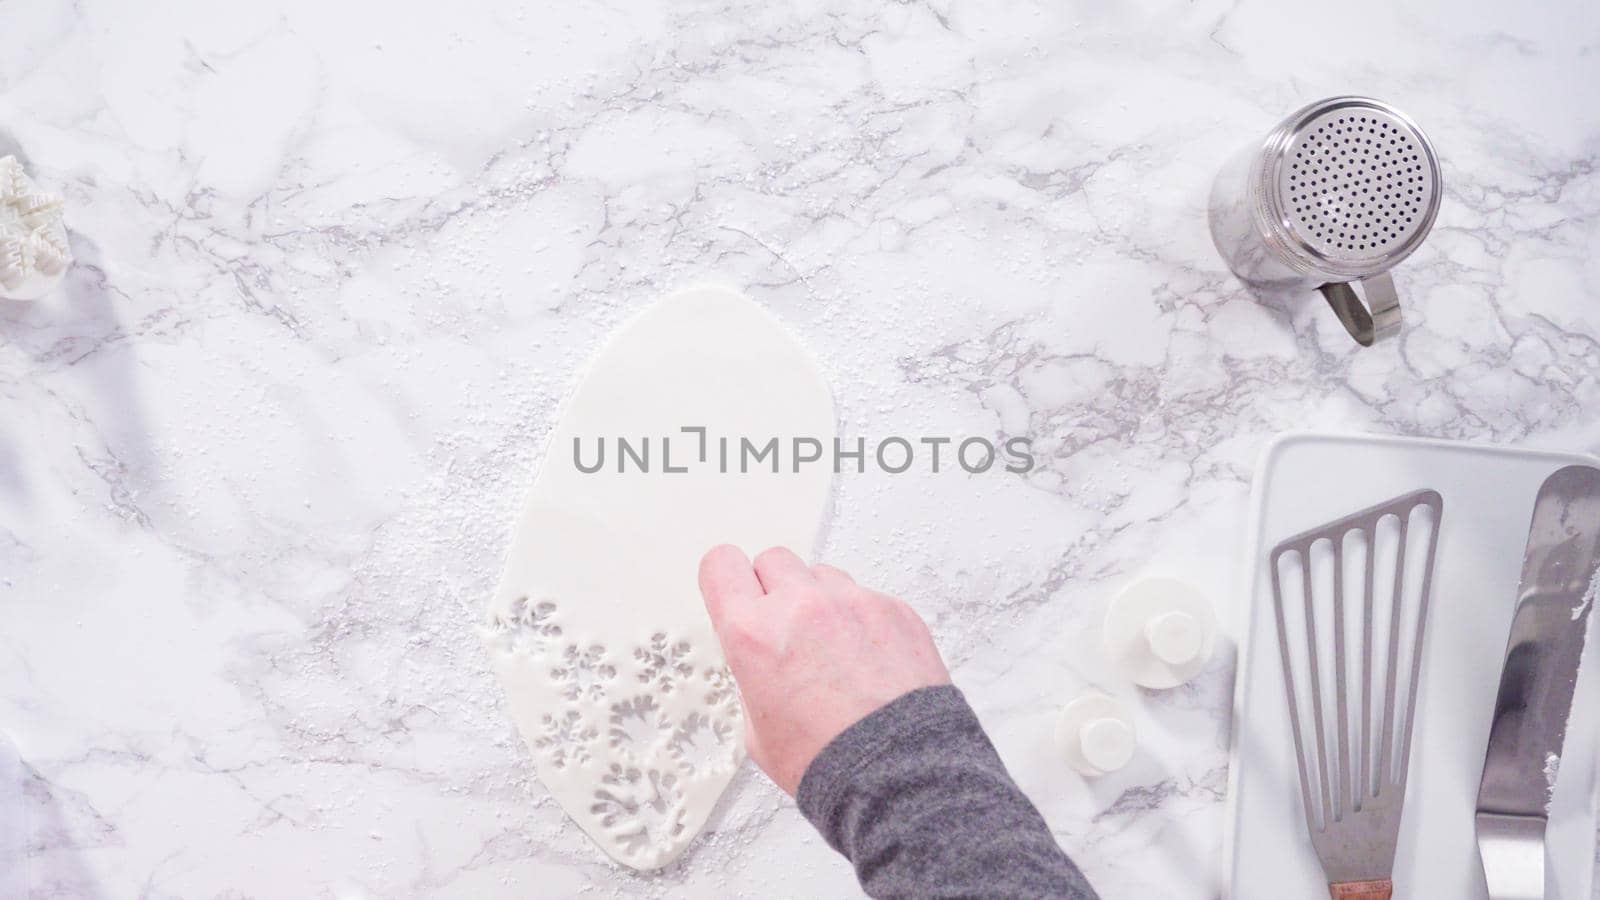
1351	184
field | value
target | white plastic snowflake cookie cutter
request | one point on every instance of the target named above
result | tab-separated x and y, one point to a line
33	236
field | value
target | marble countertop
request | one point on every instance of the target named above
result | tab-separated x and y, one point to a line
338	264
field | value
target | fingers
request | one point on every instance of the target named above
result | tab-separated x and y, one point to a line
726	578
831	577
779	568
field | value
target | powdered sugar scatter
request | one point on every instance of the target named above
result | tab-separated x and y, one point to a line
1552	767
261	453
1587	602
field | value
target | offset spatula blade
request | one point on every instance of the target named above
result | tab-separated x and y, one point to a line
1548	633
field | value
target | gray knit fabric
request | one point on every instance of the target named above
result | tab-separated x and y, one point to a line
916	798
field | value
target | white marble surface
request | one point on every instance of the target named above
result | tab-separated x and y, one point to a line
338	263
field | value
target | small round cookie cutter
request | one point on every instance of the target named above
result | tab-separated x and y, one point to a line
1159	632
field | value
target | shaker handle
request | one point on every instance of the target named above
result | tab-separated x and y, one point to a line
1374	320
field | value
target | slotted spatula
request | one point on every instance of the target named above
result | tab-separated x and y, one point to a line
1351	600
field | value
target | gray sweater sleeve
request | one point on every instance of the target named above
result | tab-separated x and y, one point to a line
916	798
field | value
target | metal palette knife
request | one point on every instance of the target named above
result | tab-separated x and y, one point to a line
1548	632
1351	599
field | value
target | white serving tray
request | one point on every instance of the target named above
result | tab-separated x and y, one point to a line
1304	481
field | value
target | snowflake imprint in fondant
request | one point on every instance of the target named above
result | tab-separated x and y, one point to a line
702	744
664	662
637	724
642	809
566	739
529	628
720	689
583	672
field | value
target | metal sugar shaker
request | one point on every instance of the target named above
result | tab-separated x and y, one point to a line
1337	194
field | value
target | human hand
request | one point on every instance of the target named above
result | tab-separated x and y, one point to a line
812	652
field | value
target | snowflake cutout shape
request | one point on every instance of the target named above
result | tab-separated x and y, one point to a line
702	744
640	809
637	724
663	662
720	688
530	628
583	672
566	739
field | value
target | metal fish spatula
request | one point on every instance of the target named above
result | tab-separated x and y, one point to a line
1351	599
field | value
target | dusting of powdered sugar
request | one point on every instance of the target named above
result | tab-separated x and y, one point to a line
1552	761
1587	601
1552	768
317	389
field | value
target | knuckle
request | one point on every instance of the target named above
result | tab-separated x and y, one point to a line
901	613
834	572
861	600
771	554
810	606
739	637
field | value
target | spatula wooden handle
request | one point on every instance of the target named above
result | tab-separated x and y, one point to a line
1362	890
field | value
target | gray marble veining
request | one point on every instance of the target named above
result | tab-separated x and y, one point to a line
339	263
